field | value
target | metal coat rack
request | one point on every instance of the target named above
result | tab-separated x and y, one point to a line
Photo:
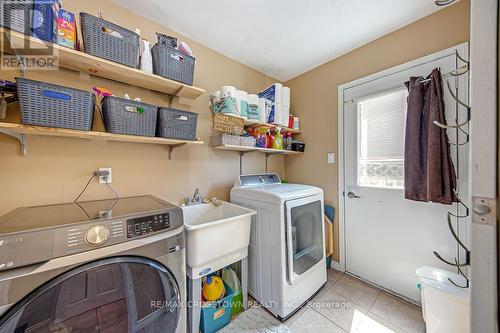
461	129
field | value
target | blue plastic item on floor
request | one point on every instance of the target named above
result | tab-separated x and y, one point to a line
330	213
217	314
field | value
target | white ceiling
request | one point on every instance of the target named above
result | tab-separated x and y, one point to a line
282	38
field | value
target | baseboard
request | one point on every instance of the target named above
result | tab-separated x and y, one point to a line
335	265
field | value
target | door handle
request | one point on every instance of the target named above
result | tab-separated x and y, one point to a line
352	195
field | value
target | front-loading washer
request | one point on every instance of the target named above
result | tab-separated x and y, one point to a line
97	266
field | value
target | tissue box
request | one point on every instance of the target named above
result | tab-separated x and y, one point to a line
45	14
66	29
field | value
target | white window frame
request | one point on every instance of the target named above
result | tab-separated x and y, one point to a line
358	157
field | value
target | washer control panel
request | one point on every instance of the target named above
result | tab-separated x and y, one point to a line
147	224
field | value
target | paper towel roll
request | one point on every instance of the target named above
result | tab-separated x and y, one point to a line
286	96
262	110
253	99
227	91
285	115
217	95
242	97
278	112
253	107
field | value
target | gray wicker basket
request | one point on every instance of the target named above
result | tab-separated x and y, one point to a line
46	104
123	116
177	124
100	43
172	64
17	15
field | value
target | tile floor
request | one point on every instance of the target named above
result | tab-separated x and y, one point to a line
347	304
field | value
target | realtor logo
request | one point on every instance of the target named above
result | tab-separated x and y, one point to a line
19	20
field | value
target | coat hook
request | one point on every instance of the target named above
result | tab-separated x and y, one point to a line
462	59
467	252
456	125
454	234
455	97
461	143
461	273
461	203
457	72
446	261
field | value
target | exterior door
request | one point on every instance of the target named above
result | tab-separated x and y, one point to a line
386	236
305	235
122	294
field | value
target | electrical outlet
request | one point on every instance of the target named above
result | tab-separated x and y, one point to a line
102	179
331	158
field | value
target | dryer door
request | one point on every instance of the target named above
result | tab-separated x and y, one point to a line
305	235
120	294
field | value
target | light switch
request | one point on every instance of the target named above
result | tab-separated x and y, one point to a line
331	158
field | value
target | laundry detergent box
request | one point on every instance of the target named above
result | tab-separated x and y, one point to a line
66	29
44	23
274	94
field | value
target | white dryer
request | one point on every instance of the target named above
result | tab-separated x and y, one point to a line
286	254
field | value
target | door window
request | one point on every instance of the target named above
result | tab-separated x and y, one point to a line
108	296
381	130
307	236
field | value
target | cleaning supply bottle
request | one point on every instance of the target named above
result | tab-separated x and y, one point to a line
213	289
146	57
288	141
230	277
278	139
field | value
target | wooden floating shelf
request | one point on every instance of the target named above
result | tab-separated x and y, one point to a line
18	131
86	63
252	124
262	150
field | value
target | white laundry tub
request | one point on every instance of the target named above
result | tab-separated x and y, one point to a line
215	236
445	307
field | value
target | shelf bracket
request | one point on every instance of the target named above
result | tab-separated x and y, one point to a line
241	160
267	157
21	137
172	147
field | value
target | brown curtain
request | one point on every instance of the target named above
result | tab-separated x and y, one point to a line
429	171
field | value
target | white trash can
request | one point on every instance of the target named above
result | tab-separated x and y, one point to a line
445	307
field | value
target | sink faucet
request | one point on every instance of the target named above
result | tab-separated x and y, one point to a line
196	199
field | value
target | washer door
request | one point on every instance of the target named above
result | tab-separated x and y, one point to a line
120	294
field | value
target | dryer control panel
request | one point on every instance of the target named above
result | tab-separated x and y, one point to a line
259	179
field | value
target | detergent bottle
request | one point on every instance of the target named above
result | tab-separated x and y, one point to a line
213	289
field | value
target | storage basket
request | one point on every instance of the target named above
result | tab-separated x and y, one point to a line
173	64
109	41
224	139
215	315
46	104
177	124
123	116
17	15
248	141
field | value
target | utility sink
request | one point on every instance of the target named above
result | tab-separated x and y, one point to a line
215	236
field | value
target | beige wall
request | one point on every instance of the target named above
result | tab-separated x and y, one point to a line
314	96
56	169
